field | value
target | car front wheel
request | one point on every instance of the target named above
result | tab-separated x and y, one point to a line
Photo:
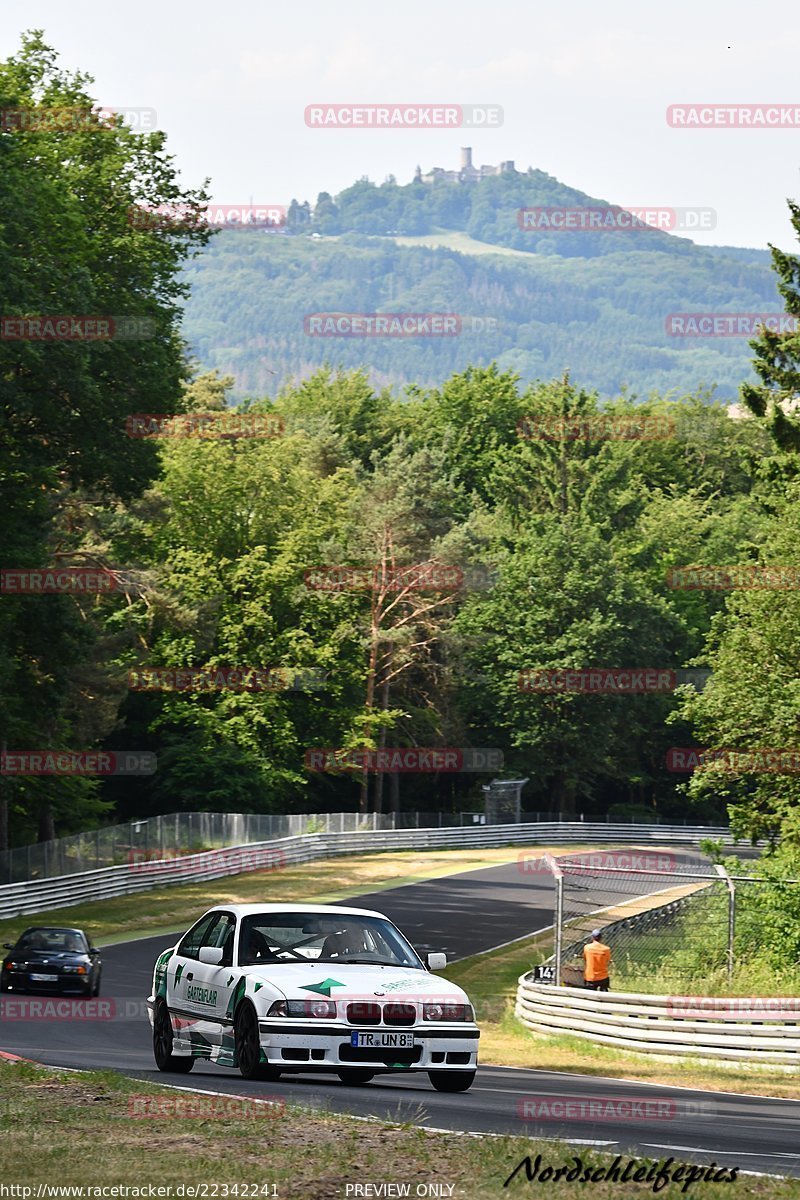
162	1044
248	1046
452	1081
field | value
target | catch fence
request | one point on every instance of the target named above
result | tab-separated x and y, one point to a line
669	921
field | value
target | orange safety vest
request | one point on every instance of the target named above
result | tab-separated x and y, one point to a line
596	957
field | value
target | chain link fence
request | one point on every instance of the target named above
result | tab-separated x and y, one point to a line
192	832
672	925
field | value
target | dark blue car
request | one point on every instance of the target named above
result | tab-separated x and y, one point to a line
49	960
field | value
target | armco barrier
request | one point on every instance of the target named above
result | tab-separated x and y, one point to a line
61	891
650	1025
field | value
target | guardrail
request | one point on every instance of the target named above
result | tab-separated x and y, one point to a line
728	1028
42	895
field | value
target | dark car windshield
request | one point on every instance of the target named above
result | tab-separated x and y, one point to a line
308	937
63	940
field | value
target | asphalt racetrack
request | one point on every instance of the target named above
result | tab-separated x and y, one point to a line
460	914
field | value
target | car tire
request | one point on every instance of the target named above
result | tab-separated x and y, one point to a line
247	1045
162	1043
96	988
452	1081
354	1077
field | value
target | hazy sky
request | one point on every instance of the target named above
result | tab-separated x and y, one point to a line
584	88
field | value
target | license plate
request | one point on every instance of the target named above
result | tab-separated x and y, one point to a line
383	1041
44	978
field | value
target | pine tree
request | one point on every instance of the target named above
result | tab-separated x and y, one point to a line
777	357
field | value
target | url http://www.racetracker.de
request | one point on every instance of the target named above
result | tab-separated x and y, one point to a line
110	1191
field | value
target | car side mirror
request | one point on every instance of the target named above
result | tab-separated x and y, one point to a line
436	962
8	945
212	955
93	950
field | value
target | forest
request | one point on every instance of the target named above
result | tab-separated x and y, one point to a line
356	567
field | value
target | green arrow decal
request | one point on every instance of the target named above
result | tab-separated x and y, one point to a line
324	988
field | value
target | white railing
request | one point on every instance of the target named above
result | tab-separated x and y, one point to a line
756	1030
43	895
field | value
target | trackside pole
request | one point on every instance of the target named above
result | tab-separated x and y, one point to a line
558	875
731	914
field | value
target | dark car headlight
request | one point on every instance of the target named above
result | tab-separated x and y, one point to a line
10	966
447	1012
78	970
303	1008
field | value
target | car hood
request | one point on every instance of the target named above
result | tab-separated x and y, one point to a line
55	957
302	981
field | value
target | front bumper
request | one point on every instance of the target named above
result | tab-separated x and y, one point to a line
20	981
297	1046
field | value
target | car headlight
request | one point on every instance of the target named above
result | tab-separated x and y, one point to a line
447	1012
303	1008
9	966
74	970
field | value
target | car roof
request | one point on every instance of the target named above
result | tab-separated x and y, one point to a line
248	910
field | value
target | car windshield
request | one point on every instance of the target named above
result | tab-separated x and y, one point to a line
64	940
324	937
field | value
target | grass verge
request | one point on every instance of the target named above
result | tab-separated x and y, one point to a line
490	980
64	1129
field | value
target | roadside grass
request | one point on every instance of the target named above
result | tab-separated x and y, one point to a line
323	881
77	1129
640	973
490	980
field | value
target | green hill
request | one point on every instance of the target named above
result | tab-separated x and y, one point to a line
595	303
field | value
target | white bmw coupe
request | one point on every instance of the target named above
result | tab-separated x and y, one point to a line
273	989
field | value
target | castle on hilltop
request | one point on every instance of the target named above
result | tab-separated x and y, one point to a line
467	174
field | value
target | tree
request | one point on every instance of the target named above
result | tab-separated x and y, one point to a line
777	356
751	701
69	247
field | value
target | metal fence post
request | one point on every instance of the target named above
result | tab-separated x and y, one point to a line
731	914
558	875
